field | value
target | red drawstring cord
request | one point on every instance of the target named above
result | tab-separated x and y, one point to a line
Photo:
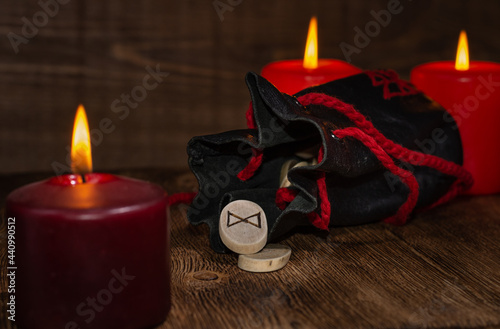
252	165
183	197
286	195
382	148
250	119
321	221
406	176
256	159
465	179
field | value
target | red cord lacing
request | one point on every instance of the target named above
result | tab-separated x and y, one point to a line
183	197
382	147
252	165
406	176
256	159
465	179
322	220
250	119
286	195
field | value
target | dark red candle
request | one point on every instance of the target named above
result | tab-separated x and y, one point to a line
472	96
291	76
91	255
91	249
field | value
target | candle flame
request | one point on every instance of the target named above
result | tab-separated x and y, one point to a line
81	157
311	52
462	61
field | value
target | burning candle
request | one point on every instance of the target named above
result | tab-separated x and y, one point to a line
291	76
91	248
470	93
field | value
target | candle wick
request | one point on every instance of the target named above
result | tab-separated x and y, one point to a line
83	178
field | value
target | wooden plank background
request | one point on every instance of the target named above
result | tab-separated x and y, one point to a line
92	52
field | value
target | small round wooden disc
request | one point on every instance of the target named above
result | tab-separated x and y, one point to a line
284	182
243	227
273	257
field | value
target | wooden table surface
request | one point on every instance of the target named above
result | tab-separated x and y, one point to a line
441	270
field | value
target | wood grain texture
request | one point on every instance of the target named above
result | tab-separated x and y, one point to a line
441	270
93	52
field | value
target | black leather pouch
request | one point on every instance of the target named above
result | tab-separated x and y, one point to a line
366	148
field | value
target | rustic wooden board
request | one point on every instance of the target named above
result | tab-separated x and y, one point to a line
94	51
439	271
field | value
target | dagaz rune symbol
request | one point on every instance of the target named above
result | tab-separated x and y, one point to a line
233	219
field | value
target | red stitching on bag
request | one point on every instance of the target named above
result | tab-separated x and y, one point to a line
386	78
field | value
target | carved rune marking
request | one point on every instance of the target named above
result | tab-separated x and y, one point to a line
233	219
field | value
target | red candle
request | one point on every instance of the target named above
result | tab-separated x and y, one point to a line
91	252
291	76
471	94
